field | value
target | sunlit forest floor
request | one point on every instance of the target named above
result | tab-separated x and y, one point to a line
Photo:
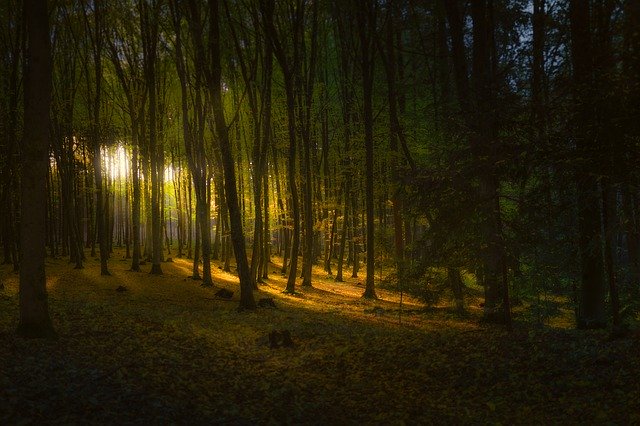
167	350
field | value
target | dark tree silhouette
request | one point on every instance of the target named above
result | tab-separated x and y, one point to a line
34	309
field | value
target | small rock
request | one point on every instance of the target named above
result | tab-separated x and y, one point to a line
280	339
121	289
223	293
266	302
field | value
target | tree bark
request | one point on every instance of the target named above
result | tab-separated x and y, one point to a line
34	309
100	211
290	71
591	313
149	29
237	235
367	27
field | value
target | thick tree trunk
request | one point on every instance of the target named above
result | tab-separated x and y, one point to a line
481	123
34	309
9	172
632	236
591	312
496	307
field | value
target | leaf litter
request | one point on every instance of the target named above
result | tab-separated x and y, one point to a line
168	351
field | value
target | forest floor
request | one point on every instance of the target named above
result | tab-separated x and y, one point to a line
168	351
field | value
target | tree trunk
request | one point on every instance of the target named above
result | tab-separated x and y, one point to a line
135	205
394	134
343	241
101	214
237	235
290	72
149	29
591	313
367	27
455	281
34	309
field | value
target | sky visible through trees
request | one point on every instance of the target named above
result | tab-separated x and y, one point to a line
476	156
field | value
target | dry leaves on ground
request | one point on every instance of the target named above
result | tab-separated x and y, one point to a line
166	350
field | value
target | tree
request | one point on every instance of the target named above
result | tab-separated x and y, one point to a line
149	28
591	312
237	235
478	105
12	43
194	140
366	19
250	53
304	89
95	31
129	74
66	85
290	69
346	82
34	308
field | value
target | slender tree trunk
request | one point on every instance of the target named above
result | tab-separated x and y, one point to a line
343	241
237	235
455	281
394	134
196	252
306	96
290	69
266	251
149	29
135	204
355	236
366	19
101	214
